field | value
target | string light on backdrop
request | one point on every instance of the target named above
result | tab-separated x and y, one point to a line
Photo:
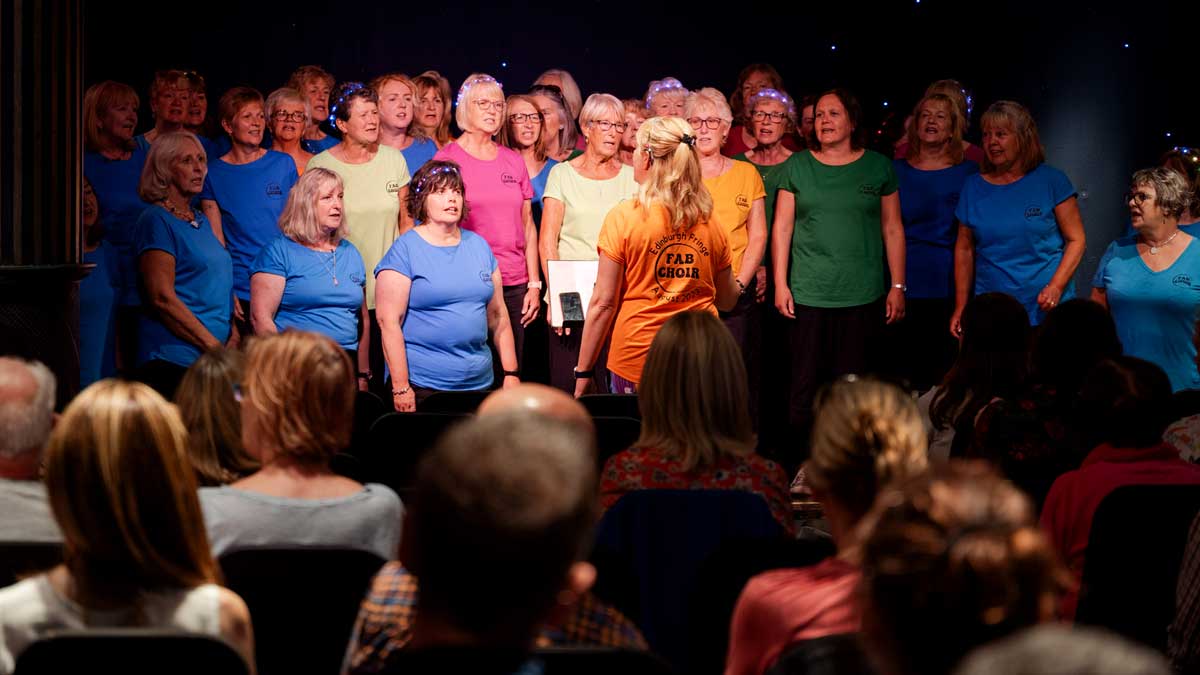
1190	153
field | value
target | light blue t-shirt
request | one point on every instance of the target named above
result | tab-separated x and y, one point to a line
98	294
927	202
539	188
311	298
420	151
115	182
251	197
317	147
445	328
1155	312
203	282
1018	244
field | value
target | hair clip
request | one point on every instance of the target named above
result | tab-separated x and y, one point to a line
659	86
774	94
462	91
425	179
344	92
688	140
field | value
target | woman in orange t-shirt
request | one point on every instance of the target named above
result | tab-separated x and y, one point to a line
661	254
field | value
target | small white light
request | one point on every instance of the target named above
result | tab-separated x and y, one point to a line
504	64
1168	134
885	104
1125	45
833	47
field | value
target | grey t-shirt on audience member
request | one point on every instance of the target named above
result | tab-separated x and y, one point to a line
368	520
25	512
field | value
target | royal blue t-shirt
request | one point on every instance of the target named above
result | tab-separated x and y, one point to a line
445	328
539	188
203	282
115	182
216	147
927	202
312	300
251	197
420	151
98	295
1018	244
1155	312
317	147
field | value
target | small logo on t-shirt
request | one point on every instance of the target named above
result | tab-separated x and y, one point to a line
357	279
393	186
1033	212
743	201
868	189
508	179
274	190
486	277
1183	281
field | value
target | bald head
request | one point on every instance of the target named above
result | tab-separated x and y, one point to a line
26	407
540	399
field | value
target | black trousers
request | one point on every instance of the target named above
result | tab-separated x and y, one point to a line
919	350
564	356
744	322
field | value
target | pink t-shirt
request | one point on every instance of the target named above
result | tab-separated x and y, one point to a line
496	192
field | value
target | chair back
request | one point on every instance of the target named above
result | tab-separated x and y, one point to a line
397	443
303	603
613	435
130	651
830	655
19	559
612	405
548	661
1134	552
600	661
453	402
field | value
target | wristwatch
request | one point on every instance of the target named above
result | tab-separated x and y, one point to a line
534	284
512	373
903	287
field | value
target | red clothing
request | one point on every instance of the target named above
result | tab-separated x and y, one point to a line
650	469
782	607
972	152
734	145
1074	497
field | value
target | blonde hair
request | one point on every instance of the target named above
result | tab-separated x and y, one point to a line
99	99
433	80
304	74
597	105
213	417
163	79
570	90
508	139
299	218
287	95
957	126
1030	153
673	179
693	394
956	92
476	85
635	106
708	97
301	387
867	434
156	174
414	130
664	87
124	495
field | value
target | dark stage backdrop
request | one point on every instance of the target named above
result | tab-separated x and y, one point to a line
1107	82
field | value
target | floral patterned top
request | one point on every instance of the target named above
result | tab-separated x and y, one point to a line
1184	436
651	469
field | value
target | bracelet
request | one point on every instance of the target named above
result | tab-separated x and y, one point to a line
364	374
401	392
534	284
903	287
741	286
584	374
512	373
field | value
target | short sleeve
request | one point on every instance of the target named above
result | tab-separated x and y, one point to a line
757	189
155	233
291	175
1061	188
890	182
964	199
526	184
790	179
554	187
397	258
1098	280
722	256
402	174
207	191
272	259
611	242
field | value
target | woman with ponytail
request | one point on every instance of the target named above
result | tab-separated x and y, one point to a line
661	253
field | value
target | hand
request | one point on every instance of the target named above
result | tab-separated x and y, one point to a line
583	386
784	302
1049	297
895	305
510	381
362	383
760	291
406	402
529	308
956	323
237	310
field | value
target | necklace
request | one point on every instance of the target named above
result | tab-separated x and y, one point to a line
188	216
332	271
1154	249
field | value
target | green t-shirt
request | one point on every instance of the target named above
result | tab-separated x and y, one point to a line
772	176
837	244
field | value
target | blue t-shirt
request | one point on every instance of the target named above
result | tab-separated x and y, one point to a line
216	147
203	282
1155	312
317	147
445	328
1018	244
98	294
251	197
312	300
927	201
115	182
421	151
539	188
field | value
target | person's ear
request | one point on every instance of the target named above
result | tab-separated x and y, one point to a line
227	127
341	125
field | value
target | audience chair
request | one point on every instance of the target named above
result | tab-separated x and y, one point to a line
651	546
19	559
549	661
612	405
615	434
453	402
1134	552
600	661
303	603
368	407
130	651
397	443
829	655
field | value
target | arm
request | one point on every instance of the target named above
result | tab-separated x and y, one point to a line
1070	224
529	308
158	273
501	330
403	222
266	290
364	345
727	290
391	304
893	241
781	251
233	618
601	311
212	211
964	275
1100	295
756	247
553	211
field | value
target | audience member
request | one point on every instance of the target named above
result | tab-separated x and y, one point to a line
316	85
288	113
1063	650
211	413
26	417
1183	635
397	120
99	293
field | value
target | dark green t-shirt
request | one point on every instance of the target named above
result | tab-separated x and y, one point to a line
772	176
837	245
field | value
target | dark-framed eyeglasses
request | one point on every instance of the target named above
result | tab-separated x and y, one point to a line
1138	197
522	118
285	116
710	123
762	115
605	125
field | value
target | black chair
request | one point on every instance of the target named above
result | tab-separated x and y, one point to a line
368	407
600	661
612	405
454	402
303	603
552	661
19	559
615	434
397	443
830	655
130	651
1134	552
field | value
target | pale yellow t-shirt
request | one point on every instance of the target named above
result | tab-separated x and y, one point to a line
585	202
733	193
372	203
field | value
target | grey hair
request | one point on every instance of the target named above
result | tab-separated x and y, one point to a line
597	105
1050	649
1171	190
156	174
25	424
287	94
711	98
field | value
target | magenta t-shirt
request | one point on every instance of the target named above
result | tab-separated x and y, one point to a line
496	192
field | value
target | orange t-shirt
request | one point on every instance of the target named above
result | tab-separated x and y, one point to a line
666	272
733	193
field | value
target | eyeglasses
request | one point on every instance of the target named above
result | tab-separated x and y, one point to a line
522	118
1138	198
605	125
285	116
486	105
710	123
761	115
